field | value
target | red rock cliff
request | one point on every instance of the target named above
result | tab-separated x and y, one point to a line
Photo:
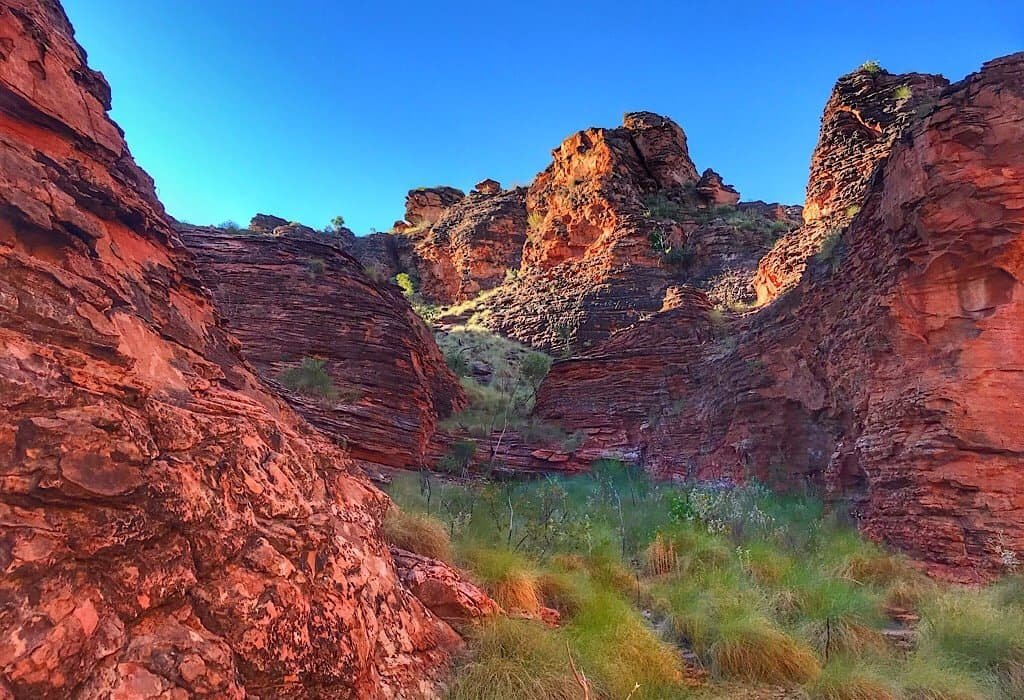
890	375
866	113
297	296
169	528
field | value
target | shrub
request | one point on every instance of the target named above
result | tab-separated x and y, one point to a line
902	93
418	533
534	220
406	283
830	251
459	457
230	226
509	578
870	67
758	653
309	378
534	367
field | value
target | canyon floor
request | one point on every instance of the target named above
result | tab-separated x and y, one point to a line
618	433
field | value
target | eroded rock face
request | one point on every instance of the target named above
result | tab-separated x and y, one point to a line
713	189
472	245
890	375
169	527
424	206
866	113
297	296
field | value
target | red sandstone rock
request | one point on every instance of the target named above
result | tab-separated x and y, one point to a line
297	295
266	223
864	116
444	590
471	247
487	186
169	527
713	189
890	375
425	205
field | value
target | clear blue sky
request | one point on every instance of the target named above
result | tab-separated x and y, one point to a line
312	108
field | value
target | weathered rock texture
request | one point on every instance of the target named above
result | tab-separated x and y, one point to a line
472	245
891	374
443	589
425	205
297	295
866	113
169	528
619	219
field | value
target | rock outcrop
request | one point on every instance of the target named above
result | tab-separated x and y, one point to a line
619	219
169	527
296	297
868	110
472	245
890	375
443	589
424	206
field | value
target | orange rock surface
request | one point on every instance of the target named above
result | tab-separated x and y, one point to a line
169	527
890	375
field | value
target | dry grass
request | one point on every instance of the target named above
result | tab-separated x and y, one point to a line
659	557
515	660
518	592
846	679
418	533
763	655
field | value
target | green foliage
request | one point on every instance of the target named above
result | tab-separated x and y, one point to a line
870	67
765	590
230	226
310	377
407	283
902	93
534	367
534	220
337	224
660	206
458	458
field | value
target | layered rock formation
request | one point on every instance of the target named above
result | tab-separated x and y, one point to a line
620	218
472	245
891	374
297	296
169	527
867	111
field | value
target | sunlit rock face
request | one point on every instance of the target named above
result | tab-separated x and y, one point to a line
297	296
868	110
890	375
169	527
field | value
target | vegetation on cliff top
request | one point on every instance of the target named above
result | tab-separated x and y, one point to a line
706	591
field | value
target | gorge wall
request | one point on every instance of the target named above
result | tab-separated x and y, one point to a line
169	527
295	297
890	374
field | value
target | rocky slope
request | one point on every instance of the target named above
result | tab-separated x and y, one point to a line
296	296
890	374
169	527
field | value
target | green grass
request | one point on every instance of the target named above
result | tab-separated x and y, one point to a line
310	377
762	590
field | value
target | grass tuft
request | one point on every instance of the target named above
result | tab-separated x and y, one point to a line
418	533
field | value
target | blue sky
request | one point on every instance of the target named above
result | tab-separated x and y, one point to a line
311	108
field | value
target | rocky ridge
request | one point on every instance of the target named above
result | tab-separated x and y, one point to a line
170	527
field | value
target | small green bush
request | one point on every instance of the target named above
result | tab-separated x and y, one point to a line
902	93
374	273
310	378
870	67
407	283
